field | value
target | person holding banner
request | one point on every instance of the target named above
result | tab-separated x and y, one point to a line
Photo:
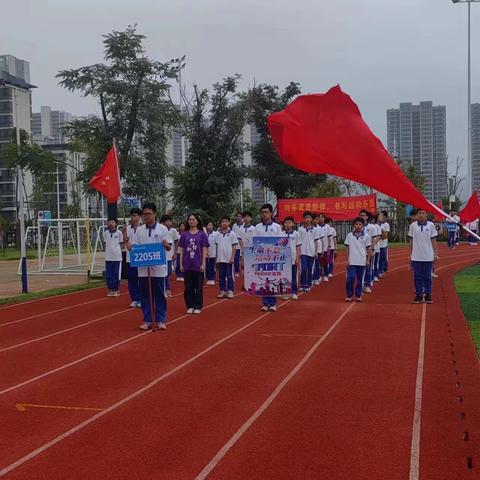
193	247
268	228
152	232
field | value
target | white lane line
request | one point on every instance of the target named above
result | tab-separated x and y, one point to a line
98	352
239	433
417	414
132	396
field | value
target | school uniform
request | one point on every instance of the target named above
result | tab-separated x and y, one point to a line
376	250
245	234
457	237
473	226
113	240
308	238
132	272
158	274
372	232
271	229
212	256
331	250
236	262
172	237
423	255
294	242
325	233
451	228
385	227
226	243
358	248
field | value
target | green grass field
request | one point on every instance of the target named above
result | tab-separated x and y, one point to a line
467	283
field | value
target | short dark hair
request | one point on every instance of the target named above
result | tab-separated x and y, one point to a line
357	220
225	217
199	220
289	219
364	210
150	206
414	212
112	218
136	211
267	206
384	213
165	217
307	214
247	213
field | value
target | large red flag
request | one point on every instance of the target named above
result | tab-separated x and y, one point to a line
107	179
471	211
325	133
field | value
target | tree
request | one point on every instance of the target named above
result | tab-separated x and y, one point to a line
132	93
283	180
213	123
332	187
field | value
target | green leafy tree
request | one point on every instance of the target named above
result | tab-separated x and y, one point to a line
283	180
332	187
213	123
132	94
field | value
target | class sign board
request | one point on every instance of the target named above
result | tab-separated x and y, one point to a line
147	255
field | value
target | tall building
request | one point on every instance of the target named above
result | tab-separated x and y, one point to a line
15	111
476	148
417	135
47	126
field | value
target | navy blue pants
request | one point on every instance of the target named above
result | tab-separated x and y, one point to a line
133	283
294	279
355	271
237	261
159	301
169	272
306	275
452	238
368	277
269	301
178	272
112	274
316	268
376	264
383	260
422	274
210	269
225	277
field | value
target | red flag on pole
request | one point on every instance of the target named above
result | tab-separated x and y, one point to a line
471	211
107	179
325	133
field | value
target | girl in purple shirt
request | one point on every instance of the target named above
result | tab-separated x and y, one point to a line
192	248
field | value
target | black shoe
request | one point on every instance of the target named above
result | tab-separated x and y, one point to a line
428	298
418	299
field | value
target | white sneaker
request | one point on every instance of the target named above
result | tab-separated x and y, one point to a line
273	308
264	308
139	304
197	311
330	275
169	293
316	282
376	279
325	279
294	296
144	326
115	293
111	293
210	282
285	297
162	326
237	275
367	290
190	310
133	305
229	294
180	279
221	294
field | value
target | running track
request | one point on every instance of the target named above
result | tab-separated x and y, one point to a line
319	390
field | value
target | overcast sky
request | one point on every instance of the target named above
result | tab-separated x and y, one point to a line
381	52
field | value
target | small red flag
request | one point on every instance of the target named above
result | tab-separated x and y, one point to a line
107	179
471	211
325	133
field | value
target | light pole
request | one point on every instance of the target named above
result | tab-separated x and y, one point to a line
469	88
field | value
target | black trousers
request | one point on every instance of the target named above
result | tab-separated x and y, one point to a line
193	293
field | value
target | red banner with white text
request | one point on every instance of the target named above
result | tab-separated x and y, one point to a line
337	208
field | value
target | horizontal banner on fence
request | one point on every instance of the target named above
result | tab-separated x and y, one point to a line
337	208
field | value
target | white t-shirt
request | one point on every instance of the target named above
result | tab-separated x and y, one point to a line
212	241
226	242
357	248
113	248
245	234
172	237
385	226
472	225
156	234
131	232
295	241
236	230
378	233
323	234
268	230
421	235
308	239
331	238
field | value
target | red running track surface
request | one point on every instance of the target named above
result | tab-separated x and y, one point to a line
320	389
